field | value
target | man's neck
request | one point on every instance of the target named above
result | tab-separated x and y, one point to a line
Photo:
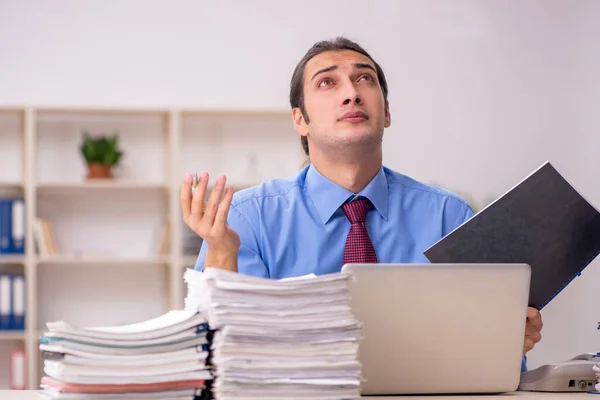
352	173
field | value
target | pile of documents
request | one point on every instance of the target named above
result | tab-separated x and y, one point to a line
596	369
278	339
164	357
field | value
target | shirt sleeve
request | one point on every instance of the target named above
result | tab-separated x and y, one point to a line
466	214
524	364
249	259
457	213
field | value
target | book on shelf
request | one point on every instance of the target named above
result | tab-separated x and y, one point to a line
163	242
43	232
12	302
542	221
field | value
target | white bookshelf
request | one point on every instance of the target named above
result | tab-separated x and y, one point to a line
108	269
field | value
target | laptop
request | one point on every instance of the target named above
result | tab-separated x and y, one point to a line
440	328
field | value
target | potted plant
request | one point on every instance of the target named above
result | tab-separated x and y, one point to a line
101	154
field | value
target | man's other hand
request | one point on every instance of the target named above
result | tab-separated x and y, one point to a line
533	329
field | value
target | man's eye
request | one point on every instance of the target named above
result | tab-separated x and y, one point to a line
368	77
324	82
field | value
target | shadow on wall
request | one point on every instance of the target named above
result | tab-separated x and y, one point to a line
477	206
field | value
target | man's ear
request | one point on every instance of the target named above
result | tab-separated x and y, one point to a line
388	116
299	122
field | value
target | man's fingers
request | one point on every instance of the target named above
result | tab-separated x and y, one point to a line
530	329
533	329
534	336
534	318
185	197
532	313
198	198
527	345
221	217
213	201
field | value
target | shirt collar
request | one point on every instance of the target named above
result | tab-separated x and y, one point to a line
327	196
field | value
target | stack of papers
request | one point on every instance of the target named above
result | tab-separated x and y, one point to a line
158	358
596	369
278	339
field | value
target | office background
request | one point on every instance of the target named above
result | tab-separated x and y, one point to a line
481	94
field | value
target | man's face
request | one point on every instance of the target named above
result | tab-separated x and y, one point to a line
343	101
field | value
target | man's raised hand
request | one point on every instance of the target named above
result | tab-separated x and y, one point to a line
209	220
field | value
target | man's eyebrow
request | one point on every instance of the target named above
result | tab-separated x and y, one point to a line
364	65
333	67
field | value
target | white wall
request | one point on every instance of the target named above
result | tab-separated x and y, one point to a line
482	92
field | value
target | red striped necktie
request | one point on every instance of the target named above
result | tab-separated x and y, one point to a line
359	248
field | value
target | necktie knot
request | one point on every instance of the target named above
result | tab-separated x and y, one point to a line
356	211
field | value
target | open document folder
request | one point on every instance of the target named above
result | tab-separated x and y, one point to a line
542	221
274	339
162	357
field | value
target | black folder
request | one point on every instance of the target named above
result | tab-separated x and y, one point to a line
542	221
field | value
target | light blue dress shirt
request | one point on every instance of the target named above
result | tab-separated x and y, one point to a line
295	226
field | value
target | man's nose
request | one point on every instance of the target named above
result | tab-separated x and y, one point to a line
354	99
350	95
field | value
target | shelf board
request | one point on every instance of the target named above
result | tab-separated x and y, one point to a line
12	259
233	112
93	259
12	110
11	185
12	335
101	110
100	184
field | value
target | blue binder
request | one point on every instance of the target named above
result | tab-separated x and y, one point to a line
18	302
5	226
12	226
12	302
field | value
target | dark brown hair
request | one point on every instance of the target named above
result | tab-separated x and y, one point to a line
297	82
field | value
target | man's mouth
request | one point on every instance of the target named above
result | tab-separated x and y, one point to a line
354	117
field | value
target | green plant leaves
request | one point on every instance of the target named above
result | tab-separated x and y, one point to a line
101	149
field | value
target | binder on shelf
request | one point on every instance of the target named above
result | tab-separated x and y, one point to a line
5	302
12	226
18	302
18	226
17	369
5	226
12	302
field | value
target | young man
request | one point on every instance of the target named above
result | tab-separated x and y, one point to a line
345	206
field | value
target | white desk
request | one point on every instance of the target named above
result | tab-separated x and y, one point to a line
31	395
